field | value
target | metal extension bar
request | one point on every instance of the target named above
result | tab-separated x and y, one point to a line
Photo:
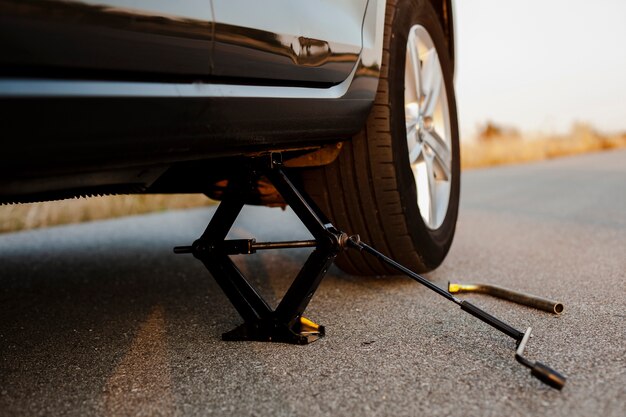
540	303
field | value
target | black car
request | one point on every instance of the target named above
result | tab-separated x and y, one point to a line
124	96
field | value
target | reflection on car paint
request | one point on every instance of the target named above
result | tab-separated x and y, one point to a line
45	35
242	52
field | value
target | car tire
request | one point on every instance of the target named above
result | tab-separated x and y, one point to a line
403	205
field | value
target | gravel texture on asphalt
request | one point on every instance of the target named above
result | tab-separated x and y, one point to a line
103	319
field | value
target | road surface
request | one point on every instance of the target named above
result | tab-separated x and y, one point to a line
103	319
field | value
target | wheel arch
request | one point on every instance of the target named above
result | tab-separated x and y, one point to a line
445	12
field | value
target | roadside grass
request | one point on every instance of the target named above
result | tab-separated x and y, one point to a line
493	146
497	146
16	217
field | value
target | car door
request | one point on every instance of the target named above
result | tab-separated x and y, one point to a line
293	42
150	40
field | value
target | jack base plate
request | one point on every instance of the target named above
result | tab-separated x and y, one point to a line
303	332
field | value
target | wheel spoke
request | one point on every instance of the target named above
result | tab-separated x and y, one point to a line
415	151
411	130
412	142
432	82
420	173
432	190
411	115
414	66
440	150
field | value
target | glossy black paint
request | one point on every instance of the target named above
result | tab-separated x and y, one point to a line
74	143
68	141
63	144
295	40
245	52
71	39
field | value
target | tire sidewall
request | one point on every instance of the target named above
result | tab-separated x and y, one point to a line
434	244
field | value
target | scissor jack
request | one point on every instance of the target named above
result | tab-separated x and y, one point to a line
286	323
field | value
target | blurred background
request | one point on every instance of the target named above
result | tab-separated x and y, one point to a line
541	66
534	80
539	79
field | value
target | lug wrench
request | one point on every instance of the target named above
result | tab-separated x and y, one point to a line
538	370
540	303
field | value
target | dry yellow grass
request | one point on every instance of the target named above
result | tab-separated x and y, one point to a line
30	216
496	146
508	147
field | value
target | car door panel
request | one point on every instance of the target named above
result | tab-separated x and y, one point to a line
283	41
106	38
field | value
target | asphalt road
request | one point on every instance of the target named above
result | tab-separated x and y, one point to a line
102	318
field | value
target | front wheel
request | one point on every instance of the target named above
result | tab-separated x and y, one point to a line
396	183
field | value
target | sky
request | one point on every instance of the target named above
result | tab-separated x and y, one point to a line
540	66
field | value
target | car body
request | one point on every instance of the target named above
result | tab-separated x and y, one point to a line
109	96
154	96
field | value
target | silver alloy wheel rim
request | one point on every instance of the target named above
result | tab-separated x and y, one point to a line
428	130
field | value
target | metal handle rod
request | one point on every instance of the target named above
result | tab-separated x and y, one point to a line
183	249
465	305
482	315
540	371
529	300
284	245
250	246
354	242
